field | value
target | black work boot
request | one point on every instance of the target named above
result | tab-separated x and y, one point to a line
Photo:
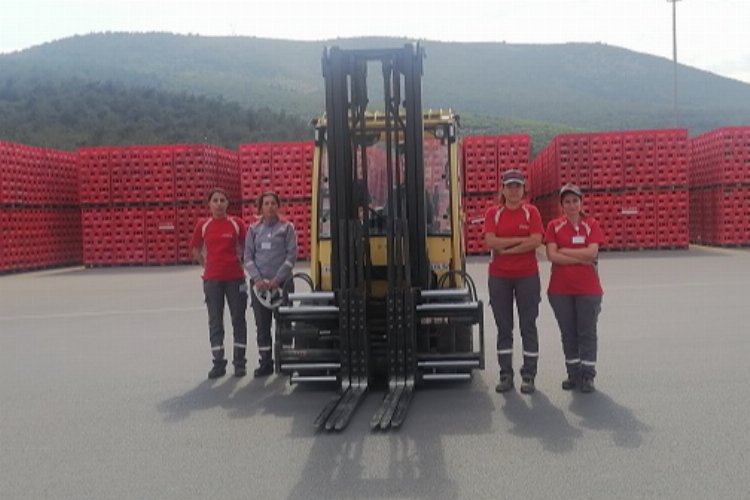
527	385
265	369
572	382
219	369
239	362
587	383
506	383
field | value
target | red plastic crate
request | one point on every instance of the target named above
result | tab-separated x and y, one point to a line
721	156
98	244
256	173
513	151
39	237
638	220
187	217
436	159
160	226
4	229
299	213
94	175
479	164
474	208
128	238
606	161
604	207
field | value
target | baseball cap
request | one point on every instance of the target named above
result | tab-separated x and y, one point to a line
570	188
513	176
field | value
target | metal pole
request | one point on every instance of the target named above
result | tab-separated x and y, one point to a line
674	62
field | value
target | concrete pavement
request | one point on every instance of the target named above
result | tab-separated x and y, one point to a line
103	395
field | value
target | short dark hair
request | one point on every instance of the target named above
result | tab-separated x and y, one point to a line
218	190
259	201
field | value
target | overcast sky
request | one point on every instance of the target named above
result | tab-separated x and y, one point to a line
711	34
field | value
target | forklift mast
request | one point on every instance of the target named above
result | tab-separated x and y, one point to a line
345	74
395	318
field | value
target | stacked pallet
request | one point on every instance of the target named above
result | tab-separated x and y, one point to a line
484	159
634	183
140	203
720	187
40	221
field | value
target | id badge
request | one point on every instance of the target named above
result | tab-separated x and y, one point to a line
579	240
265	245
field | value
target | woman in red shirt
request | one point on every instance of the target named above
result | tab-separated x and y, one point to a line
218	242
513	230
575	292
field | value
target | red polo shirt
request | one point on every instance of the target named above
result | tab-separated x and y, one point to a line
574	279
504	222
223	242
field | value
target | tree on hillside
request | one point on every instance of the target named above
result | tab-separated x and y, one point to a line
73	114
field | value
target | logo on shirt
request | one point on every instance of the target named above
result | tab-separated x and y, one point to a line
523	226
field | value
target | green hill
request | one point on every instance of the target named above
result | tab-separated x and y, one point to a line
496	87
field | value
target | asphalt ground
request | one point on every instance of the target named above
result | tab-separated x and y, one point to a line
103	394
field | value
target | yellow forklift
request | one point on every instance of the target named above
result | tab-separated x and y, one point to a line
389	301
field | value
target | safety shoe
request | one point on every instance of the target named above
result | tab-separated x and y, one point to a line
527	385
240	371
571	383
264	370
217	371
587	384
506	383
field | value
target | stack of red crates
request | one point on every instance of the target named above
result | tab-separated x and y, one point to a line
566	159
474	209
720	187
435	154
483	160
140	203
605	160
635	184
286	169
480	164
40	221
256	174
292	163
198	168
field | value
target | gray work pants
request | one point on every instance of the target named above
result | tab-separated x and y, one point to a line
577	316
263	322
527	294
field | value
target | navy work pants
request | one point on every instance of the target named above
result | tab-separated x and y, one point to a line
234	292
527	294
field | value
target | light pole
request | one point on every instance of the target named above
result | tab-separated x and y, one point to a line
674	61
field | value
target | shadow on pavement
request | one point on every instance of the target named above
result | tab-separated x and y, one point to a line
403	463
600	412
536	417
397	465
222	393
357	462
